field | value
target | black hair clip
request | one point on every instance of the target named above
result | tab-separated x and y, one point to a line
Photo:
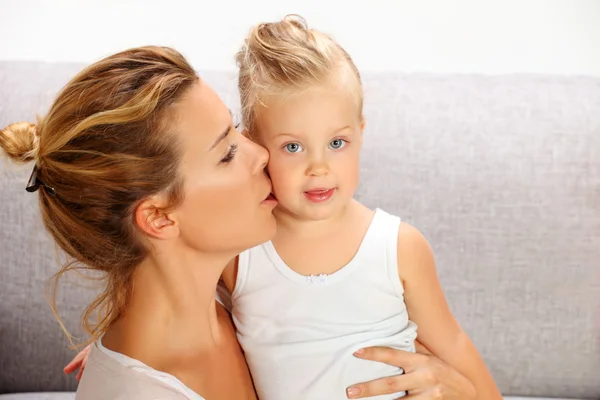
34	183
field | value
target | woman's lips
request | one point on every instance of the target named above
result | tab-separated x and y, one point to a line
270	200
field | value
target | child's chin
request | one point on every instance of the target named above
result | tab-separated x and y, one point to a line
309	211
321	213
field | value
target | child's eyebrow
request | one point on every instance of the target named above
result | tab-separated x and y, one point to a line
301	134
287	134
343	129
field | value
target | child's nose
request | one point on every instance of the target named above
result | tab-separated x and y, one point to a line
317	168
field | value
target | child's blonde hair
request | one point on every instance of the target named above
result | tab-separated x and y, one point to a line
285	57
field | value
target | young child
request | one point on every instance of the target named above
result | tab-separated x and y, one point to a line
338	276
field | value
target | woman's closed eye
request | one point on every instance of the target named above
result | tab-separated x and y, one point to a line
230	154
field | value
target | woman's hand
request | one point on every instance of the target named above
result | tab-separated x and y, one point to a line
78	362
425	376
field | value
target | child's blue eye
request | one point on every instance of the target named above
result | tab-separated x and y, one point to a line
293	147
337	144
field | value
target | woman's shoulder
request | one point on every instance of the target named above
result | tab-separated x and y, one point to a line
105	378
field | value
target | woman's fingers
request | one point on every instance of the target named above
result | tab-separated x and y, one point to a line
425	377
78	361
416	378
75	362
72	366
393	384
394	357
421	396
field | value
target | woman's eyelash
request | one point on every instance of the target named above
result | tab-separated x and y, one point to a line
237	125
230	154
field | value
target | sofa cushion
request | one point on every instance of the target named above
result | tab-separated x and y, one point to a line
39	396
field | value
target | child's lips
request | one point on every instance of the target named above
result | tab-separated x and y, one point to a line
319	195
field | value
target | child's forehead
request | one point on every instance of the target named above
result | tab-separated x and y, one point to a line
323	127
312	92
304	106
314	110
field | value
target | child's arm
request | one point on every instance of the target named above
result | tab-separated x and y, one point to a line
427	307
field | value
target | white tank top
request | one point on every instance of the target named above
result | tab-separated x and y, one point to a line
299	333
139	366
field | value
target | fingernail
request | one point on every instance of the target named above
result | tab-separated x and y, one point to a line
352	392
359	351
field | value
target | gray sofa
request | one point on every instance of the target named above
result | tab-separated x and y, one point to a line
501	173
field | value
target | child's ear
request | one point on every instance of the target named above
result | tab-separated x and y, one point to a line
152	219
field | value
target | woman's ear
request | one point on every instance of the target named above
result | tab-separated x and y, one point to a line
152	220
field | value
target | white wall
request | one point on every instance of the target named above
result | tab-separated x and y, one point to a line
480	36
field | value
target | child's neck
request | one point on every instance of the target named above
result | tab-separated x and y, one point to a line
289	224
305	246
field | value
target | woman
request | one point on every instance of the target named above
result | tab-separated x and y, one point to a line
142	176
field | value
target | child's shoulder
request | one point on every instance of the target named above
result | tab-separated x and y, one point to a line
413	249
414	252
410	239
408	235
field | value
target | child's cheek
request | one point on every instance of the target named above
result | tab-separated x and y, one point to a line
352	174
278	176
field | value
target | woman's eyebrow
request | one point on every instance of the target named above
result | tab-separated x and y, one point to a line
221	137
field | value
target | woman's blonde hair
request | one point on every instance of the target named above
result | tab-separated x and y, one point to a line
106	144
285	57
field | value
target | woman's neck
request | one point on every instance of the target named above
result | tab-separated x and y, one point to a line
171	315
